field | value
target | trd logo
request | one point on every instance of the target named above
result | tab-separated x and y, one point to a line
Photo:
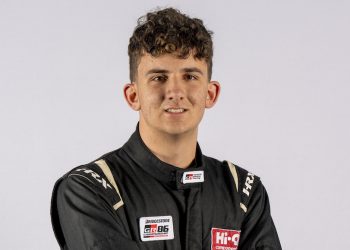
189	177
154	228
193	177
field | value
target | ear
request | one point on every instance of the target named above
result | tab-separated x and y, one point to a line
131	96
213	94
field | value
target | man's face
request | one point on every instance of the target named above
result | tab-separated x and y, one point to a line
171	94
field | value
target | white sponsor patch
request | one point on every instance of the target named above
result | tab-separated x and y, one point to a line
193	177
156	228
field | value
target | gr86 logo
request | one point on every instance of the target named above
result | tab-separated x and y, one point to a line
224	239
156	228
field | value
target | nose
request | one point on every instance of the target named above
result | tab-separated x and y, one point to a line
175	90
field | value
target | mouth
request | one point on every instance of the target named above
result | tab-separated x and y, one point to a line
175	110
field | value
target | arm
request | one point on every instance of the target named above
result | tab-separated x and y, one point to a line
87	219
258	229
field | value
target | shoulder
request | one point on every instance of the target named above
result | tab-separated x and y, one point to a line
246	184
88	187
243	179
253	195
79	187
89	174
92	179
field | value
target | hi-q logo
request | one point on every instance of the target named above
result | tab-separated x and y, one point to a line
224	239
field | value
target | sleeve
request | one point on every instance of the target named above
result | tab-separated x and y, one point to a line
258	230
87	219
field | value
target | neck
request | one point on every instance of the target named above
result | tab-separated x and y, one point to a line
176	150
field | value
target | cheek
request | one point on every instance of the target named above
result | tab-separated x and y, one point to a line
150	98
198	96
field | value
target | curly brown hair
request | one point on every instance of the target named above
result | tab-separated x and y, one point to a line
169	31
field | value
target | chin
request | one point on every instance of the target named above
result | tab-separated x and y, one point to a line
178	130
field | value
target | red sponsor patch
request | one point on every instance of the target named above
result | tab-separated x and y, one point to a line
224	239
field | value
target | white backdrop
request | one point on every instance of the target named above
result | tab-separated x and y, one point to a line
283	112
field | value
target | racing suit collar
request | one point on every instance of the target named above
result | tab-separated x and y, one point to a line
162	171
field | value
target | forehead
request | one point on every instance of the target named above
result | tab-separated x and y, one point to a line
171	63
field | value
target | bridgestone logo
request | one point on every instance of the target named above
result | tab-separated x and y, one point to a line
157	221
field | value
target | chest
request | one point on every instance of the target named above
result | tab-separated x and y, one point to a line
180	218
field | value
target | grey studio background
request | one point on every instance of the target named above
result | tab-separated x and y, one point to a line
283	111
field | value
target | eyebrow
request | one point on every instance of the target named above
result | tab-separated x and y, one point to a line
164	71
193	69
156	70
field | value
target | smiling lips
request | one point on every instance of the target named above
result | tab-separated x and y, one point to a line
175	110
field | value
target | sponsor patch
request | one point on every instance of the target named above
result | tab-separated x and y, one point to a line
224	239
156	228
193	177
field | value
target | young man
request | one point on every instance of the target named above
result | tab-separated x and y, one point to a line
158	191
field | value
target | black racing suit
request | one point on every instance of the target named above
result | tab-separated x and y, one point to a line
94	208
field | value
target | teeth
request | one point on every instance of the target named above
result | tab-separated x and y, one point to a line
175	110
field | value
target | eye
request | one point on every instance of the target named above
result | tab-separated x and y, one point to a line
159	78
190	77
